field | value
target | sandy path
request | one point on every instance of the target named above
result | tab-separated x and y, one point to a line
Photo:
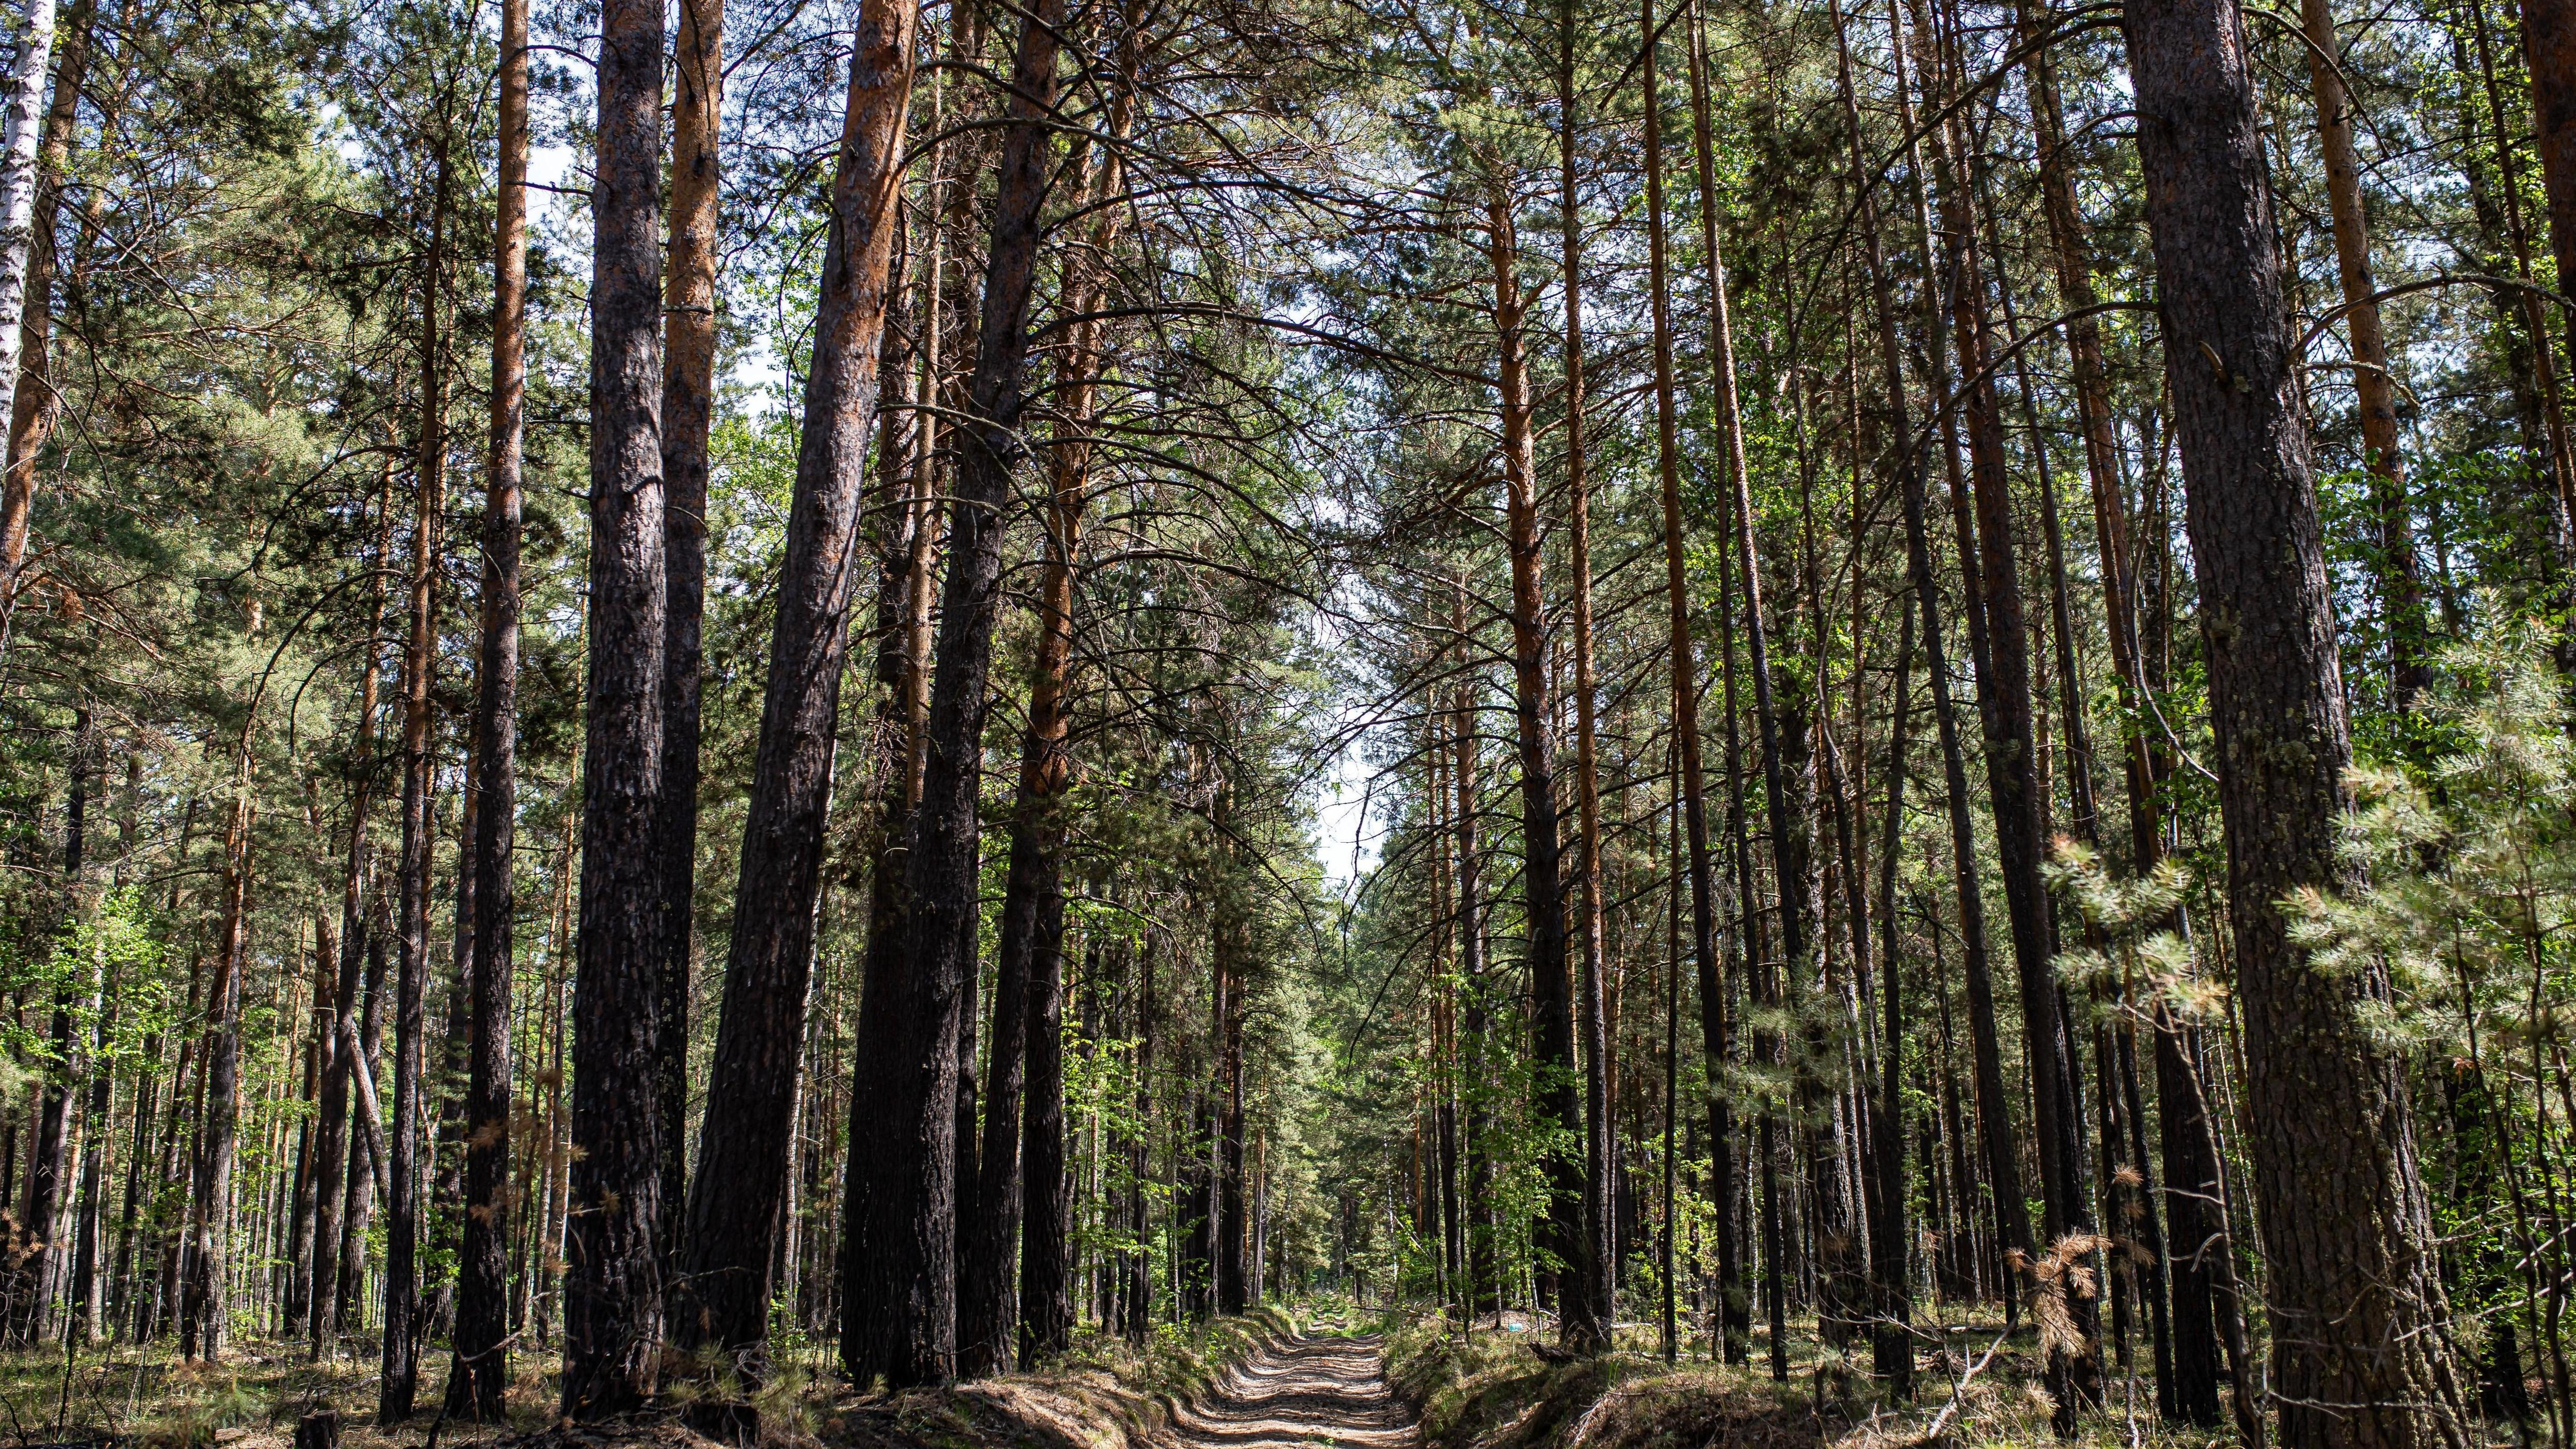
1306	1392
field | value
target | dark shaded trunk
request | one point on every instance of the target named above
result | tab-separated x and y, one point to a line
1999	636
900	1313
2357	1309
1588	1302
1892	1336
1027	1087
613	1283
736	1211
1046	1253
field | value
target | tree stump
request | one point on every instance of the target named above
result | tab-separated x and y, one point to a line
318	1430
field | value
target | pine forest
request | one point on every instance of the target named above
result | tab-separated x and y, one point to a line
1228	724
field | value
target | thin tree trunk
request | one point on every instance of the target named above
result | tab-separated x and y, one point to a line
203	1305
401	1347
2400	584
1994	1110
1715	1029
688	410
32	1275
2013	786
1557	1106
331	1151
479	1376
1892	1345
1588	1306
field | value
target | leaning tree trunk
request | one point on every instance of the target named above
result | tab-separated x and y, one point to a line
688	409
613	1281
2000	640
900	1304
479	1377
2358	1311
1733	1323
746	1151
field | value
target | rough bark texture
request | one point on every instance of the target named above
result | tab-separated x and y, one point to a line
2358	1311
688	409
744	1157
1046	1252
480	1372
613	1281
900	1314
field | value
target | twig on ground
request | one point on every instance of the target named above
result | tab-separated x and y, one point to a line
1959	1391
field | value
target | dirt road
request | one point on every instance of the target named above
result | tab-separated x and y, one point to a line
1306	1392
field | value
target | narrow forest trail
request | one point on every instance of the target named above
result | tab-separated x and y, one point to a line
1306	1391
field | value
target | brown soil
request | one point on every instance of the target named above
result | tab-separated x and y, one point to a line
1300	1392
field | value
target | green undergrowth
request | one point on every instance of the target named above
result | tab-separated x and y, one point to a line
1106	1393
1494	1390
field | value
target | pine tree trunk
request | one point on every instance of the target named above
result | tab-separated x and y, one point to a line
2400	583
2012	782
613	1288
900	1305
401	1348
1716	1031
1587	1310
202	1308
1557	1105
1994	1106
745	1154
479	1376
688	411
2357	1307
